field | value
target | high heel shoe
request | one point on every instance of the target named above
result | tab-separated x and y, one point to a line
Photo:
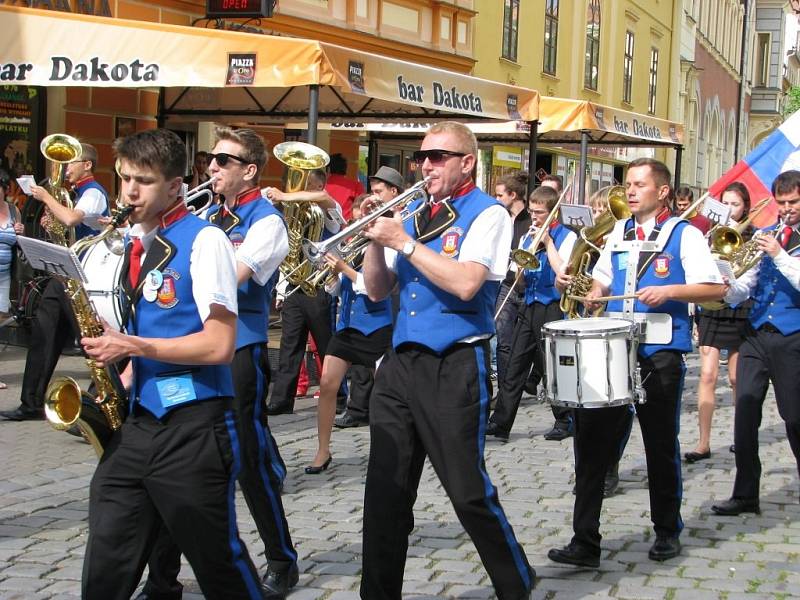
317	469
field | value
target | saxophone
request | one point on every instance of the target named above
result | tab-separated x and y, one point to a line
304	220
59	149
65	404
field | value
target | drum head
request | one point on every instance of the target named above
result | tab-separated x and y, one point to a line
588	326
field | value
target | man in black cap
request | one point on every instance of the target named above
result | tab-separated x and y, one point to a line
385	184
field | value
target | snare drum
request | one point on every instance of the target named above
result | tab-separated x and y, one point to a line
102	264
591	363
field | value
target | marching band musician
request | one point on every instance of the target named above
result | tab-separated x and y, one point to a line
54	324
678	271
771	348
363	334
260	241
387	183
541	306
174	461
432	392
301	314
719	330
510	190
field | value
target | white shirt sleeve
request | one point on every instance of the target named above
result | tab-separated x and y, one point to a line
741	287
602	271
698	264
789	266
565	251
359	287
488	242
264	248
92	204
333	218
213	270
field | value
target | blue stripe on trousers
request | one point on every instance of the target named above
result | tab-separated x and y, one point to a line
266	449
253	586
493	506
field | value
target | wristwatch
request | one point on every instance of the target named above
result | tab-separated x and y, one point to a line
408	248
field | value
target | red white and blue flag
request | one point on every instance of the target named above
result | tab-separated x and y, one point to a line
779	152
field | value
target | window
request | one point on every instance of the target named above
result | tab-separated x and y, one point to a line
762	60
651	101
592	60
550	36
627	68
510	29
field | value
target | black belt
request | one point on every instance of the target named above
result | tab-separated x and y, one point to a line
769	328
202	410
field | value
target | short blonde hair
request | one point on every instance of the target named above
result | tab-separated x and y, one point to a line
465	140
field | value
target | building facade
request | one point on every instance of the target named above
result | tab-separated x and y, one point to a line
616	53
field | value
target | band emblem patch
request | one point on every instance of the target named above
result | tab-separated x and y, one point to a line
236	239
661	265
450	241
167	296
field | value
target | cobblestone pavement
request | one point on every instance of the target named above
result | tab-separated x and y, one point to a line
44	499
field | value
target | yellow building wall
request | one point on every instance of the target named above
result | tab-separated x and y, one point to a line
651	22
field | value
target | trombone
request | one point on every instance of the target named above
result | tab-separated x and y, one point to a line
526	259
204	189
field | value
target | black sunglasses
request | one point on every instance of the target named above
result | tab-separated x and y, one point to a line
222	158
435	156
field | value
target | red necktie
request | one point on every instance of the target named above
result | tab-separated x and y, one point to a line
785	235
639	233
135	263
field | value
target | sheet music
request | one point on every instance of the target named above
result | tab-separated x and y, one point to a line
52	258
725	270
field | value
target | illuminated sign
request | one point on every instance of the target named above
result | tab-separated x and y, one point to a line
250	9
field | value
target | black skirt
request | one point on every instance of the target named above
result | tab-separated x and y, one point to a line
723	329
359	349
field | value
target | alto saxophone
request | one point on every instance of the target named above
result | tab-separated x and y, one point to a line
65	403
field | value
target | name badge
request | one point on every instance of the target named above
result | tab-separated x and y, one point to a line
623	261
175	389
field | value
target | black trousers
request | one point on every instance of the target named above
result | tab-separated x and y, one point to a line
260	477
526	350
179	473
53	327
600	435
361	382
504	325
423	405
763	357
300	314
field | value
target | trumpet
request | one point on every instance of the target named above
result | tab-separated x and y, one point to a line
351	242
204	189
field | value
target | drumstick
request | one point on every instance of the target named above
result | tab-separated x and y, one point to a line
603	298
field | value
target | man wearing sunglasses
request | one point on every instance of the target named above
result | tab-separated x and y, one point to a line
432	392
260	240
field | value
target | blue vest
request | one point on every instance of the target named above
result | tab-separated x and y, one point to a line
358	312
430	316
776	301
82	230
174	314
254	299
665	269
540	284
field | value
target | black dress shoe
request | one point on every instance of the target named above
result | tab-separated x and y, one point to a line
277	583
280	409
346	420
664	548
693	457
737	506
732	448
558	433
145	595
317	469
574	554
493	429
20	414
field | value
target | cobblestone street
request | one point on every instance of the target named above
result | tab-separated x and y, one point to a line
44	499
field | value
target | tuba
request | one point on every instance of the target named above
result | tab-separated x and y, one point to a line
59	149
304	220
65	404
588	247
